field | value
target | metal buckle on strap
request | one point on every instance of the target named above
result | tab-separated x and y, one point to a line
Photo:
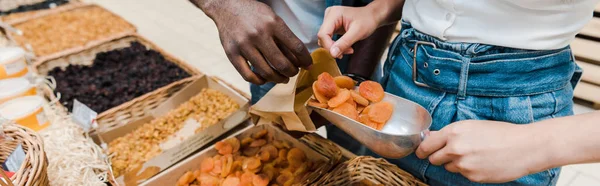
414	75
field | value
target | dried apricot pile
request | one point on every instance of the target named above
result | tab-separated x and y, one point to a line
364	105
257	160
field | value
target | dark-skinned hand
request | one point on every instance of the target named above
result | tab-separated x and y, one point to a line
254	36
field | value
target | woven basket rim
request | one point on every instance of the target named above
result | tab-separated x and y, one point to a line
33	171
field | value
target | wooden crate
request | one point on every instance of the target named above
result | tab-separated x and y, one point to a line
586	48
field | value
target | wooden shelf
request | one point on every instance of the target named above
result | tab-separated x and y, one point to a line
591	73
588	92
586	50
592	29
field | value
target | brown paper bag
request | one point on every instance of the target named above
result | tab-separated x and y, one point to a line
285	104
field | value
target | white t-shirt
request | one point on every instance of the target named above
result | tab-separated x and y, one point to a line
303	17
526	24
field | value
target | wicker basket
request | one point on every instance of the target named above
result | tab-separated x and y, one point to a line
374	170
70	7
133	109
33	169
23	16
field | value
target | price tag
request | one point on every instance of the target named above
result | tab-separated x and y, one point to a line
15	159
84	116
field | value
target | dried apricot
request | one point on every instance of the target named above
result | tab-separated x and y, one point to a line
208	180
381	112
251	164
258	143
351	102
296	157
284	176
347	110
227	162
224	148
326	85
340	98
271	150
344	82
359	99
235	143
246	141
246	179
264	156
260	134
207	165
315	103
186	179
197	173
260	180
250	151
217	166
231	181
320	97
371	90
282	153
363	118
360	109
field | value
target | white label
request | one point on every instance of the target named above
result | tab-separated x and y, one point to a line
13	68
84	116
15	159
41	117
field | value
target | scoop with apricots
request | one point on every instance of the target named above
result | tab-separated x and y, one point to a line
390	126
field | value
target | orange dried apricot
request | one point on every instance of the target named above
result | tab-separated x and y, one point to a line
207	165
359	99
347	110
381	112
250	151
258	143
340	98
231	181
235	144
269	149
352	102
251	164
246	179
260	134
197	173
344	82
227	162
296	157
320	97
217	166
371	90
260	180
326	85
315	103
186	179
246	141
360	108
224	148
208	180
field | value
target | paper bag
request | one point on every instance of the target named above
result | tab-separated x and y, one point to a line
285	104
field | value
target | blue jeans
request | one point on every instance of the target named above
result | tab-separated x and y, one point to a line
480	82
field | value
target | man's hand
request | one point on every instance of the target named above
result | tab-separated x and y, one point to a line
485	151
251	32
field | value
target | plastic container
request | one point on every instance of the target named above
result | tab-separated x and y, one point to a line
27	111
12	62
15	87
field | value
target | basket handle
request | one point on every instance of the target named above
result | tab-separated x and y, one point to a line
218	79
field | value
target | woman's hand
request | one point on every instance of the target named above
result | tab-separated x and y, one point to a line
355	24
486	151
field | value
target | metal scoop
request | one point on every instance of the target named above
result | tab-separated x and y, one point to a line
400	136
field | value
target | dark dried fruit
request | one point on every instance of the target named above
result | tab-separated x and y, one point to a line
116	77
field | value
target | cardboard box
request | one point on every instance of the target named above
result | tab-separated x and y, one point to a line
172	175
184	142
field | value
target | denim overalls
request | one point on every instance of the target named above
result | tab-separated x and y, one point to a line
462	81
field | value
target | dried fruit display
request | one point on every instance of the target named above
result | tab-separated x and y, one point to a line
365	105
29	7
116	77
207	108
258	160
69	29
